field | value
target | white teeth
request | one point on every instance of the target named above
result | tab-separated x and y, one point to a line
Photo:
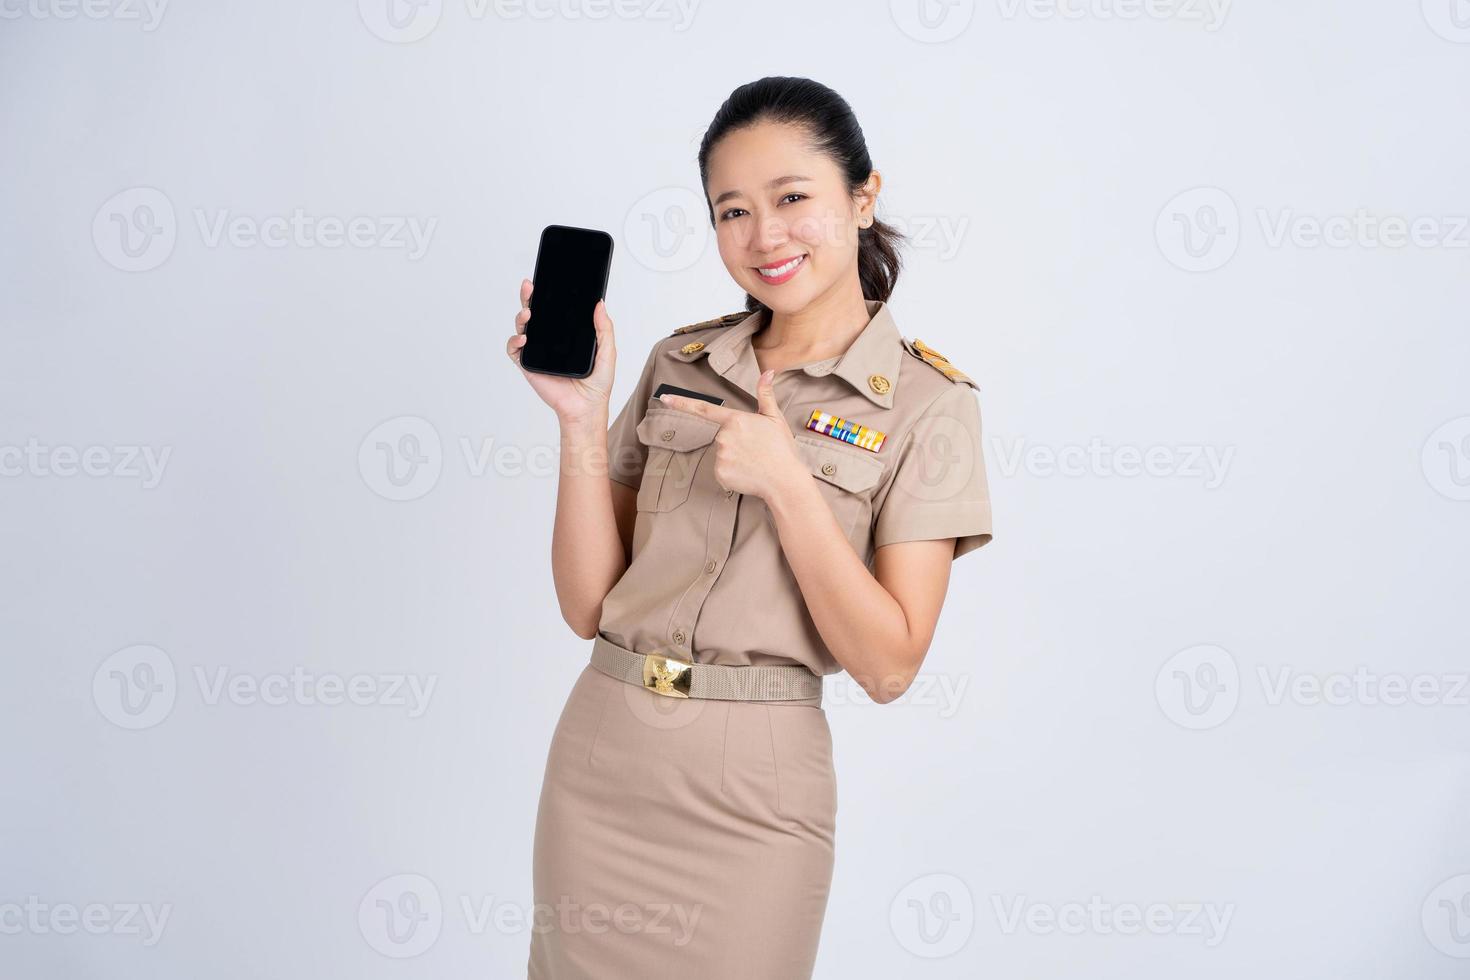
781	270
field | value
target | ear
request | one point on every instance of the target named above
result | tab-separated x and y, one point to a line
866	197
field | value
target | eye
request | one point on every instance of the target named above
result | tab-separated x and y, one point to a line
725	215
796	194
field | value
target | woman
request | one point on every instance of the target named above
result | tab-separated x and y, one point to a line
727	556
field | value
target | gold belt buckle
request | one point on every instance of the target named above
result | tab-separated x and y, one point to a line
668	676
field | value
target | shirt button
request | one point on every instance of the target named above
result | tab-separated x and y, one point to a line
729	493
679	637
828	469
709	566
666	435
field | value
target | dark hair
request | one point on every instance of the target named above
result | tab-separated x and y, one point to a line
832	129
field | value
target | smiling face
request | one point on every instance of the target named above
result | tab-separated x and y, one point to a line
786	224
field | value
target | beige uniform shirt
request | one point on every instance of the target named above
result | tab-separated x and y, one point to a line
708	581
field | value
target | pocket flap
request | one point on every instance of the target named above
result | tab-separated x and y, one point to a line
667	428
854	470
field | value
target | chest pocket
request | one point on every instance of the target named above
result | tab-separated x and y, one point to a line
676	442
845	476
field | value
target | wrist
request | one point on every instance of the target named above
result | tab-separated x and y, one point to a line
584	449
791	493
594	421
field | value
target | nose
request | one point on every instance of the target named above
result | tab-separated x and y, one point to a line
771	233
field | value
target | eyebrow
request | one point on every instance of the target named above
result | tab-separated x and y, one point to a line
791	179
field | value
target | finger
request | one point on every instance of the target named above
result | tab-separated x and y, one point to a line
603	322
697	406
765	395
513	346
521	319
526	287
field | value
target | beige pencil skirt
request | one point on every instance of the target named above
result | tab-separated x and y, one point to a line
680	838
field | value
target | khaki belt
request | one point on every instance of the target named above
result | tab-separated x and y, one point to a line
677	678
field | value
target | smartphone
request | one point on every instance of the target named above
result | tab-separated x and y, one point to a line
572	266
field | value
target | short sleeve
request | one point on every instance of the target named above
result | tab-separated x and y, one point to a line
939	488
625	454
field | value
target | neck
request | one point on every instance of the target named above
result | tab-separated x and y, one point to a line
823	328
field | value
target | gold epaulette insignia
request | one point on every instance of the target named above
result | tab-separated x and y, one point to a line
938	362
719	321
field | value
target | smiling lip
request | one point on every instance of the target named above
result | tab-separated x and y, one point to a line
800	261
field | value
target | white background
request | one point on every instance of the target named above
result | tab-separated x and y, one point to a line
1100	719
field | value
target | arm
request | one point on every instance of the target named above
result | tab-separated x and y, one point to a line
589	546
934	508
878	625
591	540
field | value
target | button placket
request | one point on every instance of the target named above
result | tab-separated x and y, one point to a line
721	538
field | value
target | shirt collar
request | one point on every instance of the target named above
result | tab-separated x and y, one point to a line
870	362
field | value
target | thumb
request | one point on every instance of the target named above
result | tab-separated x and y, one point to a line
602	323
765	395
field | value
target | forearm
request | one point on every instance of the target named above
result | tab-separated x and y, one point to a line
862	625
587	556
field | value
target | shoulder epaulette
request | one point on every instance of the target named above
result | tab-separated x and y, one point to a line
719	321
938	362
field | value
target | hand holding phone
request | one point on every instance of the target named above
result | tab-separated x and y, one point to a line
564	335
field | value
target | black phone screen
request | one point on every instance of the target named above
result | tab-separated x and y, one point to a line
571	276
